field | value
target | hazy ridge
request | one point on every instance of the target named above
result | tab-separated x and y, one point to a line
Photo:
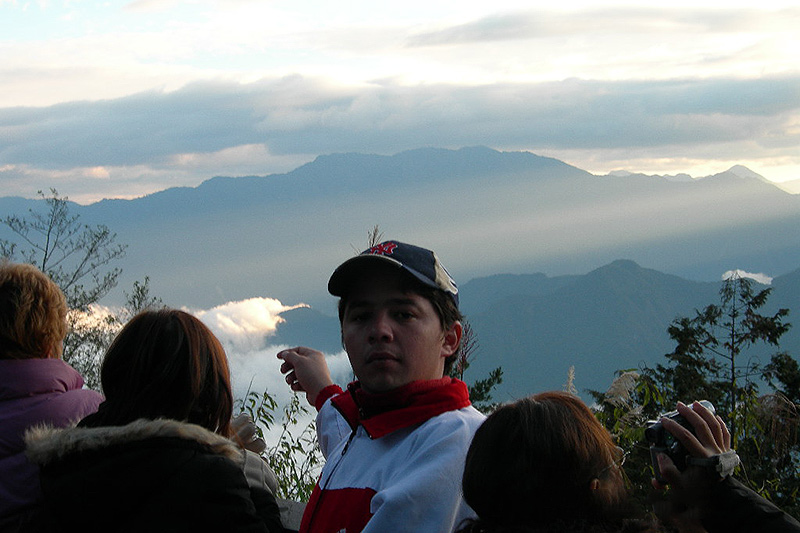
618	256
536	327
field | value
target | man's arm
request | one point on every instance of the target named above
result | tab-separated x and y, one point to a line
305	371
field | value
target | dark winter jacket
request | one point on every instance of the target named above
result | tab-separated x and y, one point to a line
733	508
150	475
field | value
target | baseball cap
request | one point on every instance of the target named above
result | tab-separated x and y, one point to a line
421	263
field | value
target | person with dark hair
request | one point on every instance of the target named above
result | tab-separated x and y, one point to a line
395	438
545	463
36	386
157	455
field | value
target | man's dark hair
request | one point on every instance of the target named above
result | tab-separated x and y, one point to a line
442	303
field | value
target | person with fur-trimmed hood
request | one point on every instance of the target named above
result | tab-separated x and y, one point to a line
157	455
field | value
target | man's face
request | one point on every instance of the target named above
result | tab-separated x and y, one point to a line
393	337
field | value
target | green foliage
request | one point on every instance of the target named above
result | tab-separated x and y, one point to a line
707	364
79	259
295	457
90	334
624	409
783	375
768	446
707	360
480	392
139	299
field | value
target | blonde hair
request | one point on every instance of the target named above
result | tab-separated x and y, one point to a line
33	313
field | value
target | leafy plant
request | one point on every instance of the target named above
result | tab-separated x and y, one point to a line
624	409
295	456
480	392
707	364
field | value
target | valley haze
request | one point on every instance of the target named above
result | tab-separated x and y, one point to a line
557	266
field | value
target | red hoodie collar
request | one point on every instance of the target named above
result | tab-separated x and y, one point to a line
411	404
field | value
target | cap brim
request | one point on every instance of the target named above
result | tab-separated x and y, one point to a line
342	277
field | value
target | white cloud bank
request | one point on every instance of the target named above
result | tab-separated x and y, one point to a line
760	278
244	328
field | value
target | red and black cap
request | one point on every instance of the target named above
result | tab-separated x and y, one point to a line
419	262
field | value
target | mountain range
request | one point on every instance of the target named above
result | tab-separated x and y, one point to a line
536	327
557	266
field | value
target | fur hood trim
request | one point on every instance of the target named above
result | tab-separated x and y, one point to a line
46	444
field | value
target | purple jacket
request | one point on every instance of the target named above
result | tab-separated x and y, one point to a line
34	391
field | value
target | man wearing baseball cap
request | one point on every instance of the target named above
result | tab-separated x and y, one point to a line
396	439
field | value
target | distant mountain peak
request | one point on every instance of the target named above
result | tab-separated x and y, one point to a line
742	171
624	264
618	267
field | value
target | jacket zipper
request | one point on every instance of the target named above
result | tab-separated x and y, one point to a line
324	488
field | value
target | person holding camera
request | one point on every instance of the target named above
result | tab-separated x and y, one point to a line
703	495
545	464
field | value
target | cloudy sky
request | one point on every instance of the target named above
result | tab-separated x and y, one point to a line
119	98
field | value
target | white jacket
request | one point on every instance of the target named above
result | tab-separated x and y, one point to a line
395	469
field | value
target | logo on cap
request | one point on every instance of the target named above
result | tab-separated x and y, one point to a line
384	248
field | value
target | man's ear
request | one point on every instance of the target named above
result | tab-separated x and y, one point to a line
594	484
452	339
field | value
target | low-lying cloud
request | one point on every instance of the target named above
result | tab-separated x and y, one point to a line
759	278
244	328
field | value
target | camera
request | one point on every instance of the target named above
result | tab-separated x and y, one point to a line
662	441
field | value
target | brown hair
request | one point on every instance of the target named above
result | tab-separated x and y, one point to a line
33	313
444	305
166	364
531	464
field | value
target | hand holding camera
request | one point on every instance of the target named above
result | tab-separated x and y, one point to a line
696	461
691	435
690	449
